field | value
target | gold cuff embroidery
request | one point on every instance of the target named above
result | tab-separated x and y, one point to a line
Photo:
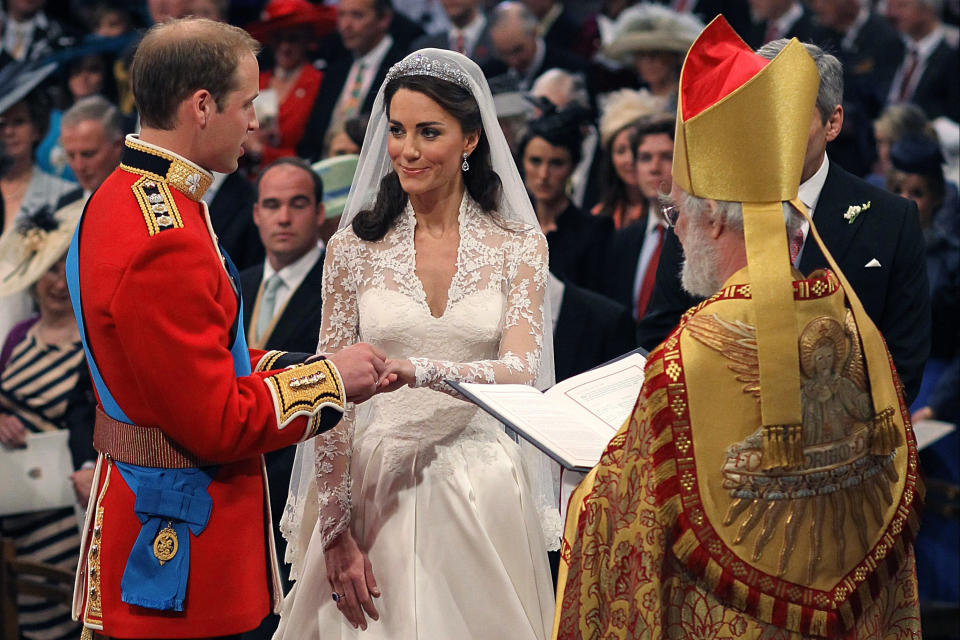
304	391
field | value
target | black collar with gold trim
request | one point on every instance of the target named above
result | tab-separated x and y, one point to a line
158	164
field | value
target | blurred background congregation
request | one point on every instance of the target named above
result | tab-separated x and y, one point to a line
586	93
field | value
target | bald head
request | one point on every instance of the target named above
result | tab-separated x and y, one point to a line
514	35
179	57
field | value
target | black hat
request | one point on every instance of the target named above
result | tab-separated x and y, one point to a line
18	79
916	154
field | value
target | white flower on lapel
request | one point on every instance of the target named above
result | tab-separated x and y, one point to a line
854	210
193	181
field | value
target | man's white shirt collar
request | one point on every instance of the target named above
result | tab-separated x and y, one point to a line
374	57
851	35
784	22
809	191
471	33
292	276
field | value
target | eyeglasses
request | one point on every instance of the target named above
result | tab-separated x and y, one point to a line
670	213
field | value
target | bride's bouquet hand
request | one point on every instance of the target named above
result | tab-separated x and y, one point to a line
351	577
396	373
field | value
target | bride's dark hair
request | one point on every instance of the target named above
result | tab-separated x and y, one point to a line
481	181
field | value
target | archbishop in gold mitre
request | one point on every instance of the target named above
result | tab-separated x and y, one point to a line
766	484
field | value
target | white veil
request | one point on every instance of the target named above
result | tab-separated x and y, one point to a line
514	205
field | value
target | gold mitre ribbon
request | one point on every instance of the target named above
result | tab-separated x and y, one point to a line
749	147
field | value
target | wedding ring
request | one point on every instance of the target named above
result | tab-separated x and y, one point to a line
336	596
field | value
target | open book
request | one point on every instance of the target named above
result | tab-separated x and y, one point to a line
573	421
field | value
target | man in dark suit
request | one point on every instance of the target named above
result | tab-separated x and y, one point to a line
350	85
282	296
928	75
230	200
469	32
520	52
880	249
588	329
775	19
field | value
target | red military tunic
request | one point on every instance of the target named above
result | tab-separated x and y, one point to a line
159	308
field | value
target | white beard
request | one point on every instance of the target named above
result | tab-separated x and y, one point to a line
699	274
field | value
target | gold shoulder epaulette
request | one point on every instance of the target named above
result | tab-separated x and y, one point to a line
156	203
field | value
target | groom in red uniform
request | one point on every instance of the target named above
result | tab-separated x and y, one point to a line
177	541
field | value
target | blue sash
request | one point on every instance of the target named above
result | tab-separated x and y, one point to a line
165	498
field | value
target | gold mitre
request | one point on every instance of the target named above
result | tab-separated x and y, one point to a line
742	120
742	128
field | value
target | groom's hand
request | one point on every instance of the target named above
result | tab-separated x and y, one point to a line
360	366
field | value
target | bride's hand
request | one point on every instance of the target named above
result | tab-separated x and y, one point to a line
351	578
396	373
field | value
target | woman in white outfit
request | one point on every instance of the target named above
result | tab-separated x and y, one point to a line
418	511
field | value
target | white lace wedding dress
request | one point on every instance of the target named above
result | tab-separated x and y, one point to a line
434	490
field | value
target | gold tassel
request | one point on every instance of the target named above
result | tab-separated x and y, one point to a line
782	446
86	634
886	436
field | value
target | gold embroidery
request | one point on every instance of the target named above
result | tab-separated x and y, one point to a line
161	215
93	612
303	391
269	359
189	180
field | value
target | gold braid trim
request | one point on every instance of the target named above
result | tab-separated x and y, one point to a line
304	391
268	360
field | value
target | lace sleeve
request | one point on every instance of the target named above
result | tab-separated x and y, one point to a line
521	343
339	328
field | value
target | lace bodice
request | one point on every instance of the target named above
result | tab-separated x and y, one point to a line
490	331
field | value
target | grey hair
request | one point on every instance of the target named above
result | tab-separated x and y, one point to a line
509	12
569	84
98	109
731	213
830	93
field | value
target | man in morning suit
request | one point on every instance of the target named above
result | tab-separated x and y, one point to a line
350	85
177	540
880	248
469	32
928	75
775	19
283	298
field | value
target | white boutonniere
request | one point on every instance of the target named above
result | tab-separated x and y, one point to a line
854	210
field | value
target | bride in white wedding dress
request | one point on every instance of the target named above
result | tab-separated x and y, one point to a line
418	498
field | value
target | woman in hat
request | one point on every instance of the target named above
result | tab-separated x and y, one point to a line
654	40
621	198
288	28
44	386
25	188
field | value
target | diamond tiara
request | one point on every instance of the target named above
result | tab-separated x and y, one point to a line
423	66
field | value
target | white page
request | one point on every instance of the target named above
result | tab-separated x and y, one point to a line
929	431
608	393
576	418
37	477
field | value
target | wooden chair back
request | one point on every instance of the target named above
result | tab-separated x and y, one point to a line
30	578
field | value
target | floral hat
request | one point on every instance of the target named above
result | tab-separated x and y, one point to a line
37	241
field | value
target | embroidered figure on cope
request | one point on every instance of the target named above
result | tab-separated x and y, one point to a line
845	449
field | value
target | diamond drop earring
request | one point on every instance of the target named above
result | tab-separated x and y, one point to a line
466	165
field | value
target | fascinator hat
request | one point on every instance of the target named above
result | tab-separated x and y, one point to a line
626	106
651	27
35	244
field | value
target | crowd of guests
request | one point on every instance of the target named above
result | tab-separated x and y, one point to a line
586	93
